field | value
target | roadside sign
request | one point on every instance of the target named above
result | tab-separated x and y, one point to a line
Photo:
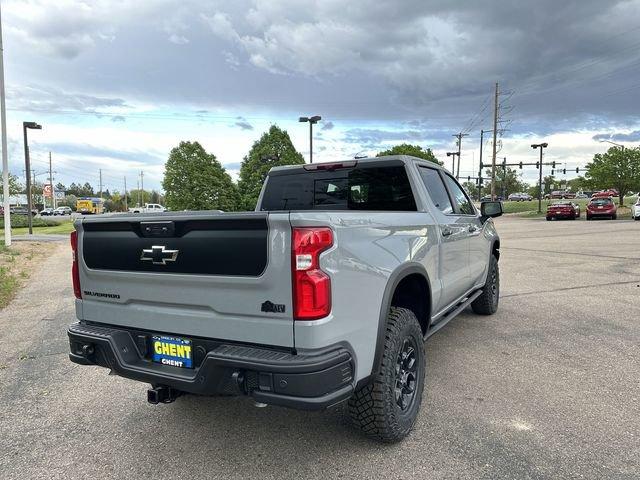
46	190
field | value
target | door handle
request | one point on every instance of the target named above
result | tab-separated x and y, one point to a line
472	228
446	232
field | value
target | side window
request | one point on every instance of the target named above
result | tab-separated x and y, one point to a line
436	189
463	204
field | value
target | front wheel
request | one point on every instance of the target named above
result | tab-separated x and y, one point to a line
487	302
614	217
386	408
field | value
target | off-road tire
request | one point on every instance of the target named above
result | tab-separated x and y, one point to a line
487	302
374	408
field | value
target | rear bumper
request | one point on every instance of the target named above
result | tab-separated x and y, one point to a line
312	380
561	215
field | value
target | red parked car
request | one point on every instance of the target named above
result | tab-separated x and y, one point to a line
568	210
610	192
601	207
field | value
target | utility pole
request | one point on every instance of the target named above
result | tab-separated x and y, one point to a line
459	137
5	157
142	187
495	141
138	190
480	168
53	193
504	178
100	184
126	206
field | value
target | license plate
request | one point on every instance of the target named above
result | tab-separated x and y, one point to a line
600	206
173	351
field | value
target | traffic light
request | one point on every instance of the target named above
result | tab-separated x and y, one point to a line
520	165
552	172
564	171
537	166
577	169
469	178
553	164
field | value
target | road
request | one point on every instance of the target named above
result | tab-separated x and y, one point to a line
549	387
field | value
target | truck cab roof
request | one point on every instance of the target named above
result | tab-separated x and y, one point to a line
352	163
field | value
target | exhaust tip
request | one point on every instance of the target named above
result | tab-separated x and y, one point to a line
152	396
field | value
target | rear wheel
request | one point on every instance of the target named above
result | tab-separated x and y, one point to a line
614	216
386	408
487	302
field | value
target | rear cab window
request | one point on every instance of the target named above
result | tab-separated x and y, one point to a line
381	186
601	201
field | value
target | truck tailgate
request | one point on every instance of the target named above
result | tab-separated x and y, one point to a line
223	276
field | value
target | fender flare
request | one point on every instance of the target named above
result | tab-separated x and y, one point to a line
394	280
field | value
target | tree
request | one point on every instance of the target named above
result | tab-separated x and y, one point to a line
577	184
78	190
412	150
15	186
508	178
87	190
195	180
617	168
274	149
471	188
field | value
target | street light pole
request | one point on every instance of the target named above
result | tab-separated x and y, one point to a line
311	120
541	146
27	166
5	157
613	143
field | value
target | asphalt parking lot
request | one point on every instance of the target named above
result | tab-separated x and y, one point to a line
549	387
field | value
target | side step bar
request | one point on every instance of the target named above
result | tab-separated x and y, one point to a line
452	313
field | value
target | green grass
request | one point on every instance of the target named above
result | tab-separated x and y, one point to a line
63	228
8	287
8	283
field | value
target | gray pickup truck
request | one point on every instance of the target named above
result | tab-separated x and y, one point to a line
324	294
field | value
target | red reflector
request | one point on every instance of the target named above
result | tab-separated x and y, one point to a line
75	272
330	166
311	286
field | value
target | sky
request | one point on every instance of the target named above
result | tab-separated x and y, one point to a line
117	84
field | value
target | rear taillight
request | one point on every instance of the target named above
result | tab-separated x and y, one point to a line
311	286
75	272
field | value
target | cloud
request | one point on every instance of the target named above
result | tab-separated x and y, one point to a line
375	137
232	166
243	124
97	151
35	98
118	118
619	137
178	39
327	125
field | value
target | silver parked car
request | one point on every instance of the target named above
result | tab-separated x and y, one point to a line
635	210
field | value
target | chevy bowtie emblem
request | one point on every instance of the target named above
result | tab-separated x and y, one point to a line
159	255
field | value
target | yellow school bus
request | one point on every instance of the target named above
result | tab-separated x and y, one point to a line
90	206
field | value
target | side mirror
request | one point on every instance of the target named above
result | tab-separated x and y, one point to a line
490	209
